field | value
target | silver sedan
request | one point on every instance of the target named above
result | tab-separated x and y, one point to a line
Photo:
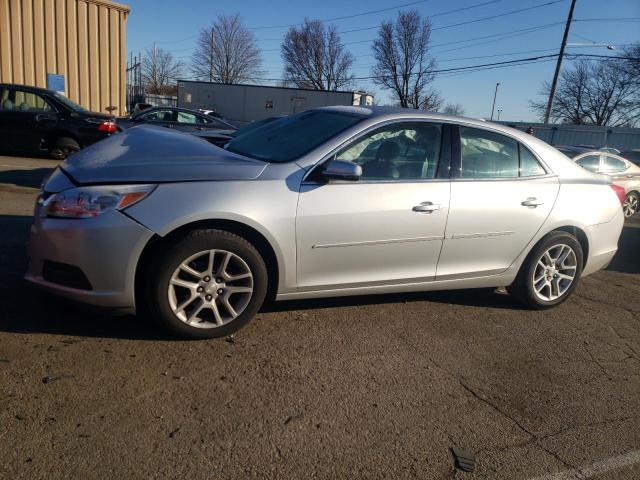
622	173
328	202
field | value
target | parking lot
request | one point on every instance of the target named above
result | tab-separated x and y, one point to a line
367	387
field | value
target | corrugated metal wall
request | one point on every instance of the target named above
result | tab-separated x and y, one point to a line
246	103
596	136
84	40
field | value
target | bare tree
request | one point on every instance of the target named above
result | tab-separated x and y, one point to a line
631	62
403	62
594	92
314	57
453	109
226	52
160	72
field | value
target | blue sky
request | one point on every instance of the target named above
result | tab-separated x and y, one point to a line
173	25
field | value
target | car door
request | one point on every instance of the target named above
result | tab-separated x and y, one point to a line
385	228
27	117
500	197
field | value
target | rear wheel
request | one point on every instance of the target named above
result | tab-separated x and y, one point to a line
209	284
550	273
631	204
63	147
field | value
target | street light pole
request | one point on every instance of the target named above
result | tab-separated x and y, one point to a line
499	112
554	83
495	94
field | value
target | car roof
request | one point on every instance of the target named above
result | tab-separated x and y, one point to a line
26	87
399	112
381	113
177	109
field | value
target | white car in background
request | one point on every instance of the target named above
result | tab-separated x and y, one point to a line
622	172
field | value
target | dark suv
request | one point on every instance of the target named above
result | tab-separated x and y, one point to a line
36	120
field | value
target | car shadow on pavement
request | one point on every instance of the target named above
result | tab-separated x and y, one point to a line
627	260
480	297
25	178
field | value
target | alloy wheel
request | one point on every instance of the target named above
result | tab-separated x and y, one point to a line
555	272
210	289
59	153
630	205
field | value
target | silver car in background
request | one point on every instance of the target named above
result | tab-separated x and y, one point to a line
328	202
622	172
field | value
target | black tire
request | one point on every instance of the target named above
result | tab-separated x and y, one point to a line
632	200
167	260
63	147
522	288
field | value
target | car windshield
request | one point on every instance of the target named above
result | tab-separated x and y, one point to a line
253	125
72	105
220	123
291	137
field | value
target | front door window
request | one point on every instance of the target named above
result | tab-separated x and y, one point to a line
405	151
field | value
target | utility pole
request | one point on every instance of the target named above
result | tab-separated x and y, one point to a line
554	83
495	94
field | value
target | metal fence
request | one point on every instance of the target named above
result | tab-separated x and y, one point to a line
160	100
583	135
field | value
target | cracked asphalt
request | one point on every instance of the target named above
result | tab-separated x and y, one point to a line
365	387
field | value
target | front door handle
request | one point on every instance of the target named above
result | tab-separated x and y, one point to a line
45	117
532	202
426	207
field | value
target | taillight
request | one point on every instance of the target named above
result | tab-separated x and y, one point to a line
619	192
108	126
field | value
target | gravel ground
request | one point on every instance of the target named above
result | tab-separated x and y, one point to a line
365	387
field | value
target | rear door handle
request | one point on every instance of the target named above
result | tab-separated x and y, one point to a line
532	202
426	207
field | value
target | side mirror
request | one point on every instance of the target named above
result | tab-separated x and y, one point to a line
341	170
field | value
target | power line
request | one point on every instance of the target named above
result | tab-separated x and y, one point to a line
491	17
627	19
448	12
369	12
501	36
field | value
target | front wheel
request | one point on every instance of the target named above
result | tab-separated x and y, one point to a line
630	205
208	284
550	273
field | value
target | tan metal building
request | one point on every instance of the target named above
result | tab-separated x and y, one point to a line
84	40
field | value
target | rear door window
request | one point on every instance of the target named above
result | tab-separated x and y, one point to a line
612	165
189	118
529	165
486	154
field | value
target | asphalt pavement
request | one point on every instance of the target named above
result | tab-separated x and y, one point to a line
362	387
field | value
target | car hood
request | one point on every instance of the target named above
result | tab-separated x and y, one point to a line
149	154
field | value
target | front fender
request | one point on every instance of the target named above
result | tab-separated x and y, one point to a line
269	207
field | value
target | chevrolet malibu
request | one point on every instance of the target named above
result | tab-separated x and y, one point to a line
328	202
